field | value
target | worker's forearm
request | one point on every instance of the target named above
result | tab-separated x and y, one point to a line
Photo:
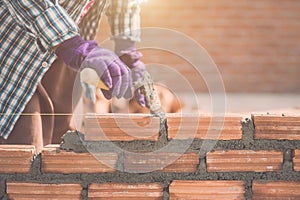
124	19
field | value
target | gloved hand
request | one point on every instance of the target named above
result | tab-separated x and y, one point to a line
132	58
138	68
80	54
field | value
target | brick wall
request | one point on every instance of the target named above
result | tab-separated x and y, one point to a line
255	44
245	164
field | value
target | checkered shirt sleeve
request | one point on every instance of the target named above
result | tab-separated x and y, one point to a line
46	20
124	19
28	29
89	24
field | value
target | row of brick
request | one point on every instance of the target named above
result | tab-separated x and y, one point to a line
18	159
121	127
178	189
145	127
114	127
278	127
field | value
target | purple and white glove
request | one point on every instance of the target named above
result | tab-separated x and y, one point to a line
80	54
132	58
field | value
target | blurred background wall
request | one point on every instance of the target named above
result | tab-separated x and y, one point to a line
254	43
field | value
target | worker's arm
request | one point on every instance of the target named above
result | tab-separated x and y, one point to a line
46	20
124	19
55	30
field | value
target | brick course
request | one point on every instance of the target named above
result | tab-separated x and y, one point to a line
204	127
164	162
16	158
123	128
244	160
282	190
213	190
276	127
118	191
22	191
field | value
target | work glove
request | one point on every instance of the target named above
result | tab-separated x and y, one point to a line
126	51
80	54
138	68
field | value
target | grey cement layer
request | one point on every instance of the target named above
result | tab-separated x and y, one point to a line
73	141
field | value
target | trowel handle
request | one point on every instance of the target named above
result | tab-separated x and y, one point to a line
90	76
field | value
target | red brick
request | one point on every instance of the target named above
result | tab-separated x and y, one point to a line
125	191
296	160
24	191
214	190
244	160
275	190
193	126
16	158
55	160
162	161
121	127
277	127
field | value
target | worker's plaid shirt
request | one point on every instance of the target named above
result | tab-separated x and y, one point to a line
29	29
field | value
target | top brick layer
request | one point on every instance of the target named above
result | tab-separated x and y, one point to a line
190	126
276	127
121	127
16	158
